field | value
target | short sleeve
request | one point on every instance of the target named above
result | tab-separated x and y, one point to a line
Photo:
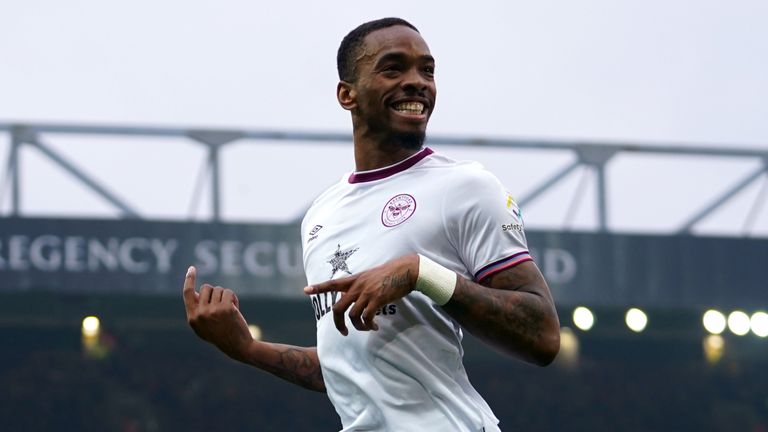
485	224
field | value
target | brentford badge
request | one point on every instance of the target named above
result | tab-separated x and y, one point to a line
398	210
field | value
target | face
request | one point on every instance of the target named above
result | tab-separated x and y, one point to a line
394	91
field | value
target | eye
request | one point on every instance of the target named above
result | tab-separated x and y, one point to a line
429	70
391	69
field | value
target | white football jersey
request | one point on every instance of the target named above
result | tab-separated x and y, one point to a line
408	375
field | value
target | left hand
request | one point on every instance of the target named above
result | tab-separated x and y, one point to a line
214	315
369	291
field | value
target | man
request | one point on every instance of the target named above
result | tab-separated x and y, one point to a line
400	255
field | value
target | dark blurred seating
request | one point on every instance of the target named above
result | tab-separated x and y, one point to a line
167	380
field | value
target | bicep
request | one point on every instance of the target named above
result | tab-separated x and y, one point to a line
487	228
524	277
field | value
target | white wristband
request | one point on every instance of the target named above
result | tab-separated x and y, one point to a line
435	281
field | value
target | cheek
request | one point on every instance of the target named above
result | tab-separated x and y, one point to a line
375	103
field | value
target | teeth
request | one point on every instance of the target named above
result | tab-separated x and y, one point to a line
410	107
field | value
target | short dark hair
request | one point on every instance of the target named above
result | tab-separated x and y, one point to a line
350	45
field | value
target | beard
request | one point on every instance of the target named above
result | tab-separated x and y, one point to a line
388	139
407	140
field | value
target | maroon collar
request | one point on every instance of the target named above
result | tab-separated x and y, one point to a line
378	174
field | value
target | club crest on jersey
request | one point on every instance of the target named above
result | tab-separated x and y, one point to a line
398	210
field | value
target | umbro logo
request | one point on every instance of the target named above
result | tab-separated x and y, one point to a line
313	233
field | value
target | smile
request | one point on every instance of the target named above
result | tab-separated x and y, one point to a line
409	108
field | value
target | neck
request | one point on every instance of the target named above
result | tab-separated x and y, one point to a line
373	151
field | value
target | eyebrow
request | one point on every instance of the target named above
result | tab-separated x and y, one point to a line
399	56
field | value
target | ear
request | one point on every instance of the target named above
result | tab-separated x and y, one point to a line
346	95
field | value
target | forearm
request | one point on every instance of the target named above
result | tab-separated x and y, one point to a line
520	323
214	315
299	365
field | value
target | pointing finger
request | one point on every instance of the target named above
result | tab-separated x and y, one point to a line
341	284
188	292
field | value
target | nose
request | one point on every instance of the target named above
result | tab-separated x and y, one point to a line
414	80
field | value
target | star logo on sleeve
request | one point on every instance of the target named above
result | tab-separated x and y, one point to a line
339	260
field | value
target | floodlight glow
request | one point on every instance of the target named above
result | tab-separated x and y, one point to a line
715	342
255	331
583	318
636	320
569	348
759	324
714	348
568	340
738	323
714	321
91	326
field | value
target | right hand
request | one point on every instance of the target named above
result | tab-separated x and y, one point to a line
214	315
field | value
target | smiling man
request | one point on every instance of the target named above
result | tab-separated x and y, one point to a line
400	255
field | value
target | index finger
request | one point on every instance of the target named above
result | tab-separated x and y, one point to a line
189	293
341	284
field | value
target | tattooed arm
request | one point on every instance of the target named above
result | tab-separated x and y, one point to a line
298	365
512	310
214	315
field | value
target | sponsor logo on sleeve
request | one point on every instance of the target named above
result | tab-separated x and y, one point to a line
518	227
512	207
510	200
517	224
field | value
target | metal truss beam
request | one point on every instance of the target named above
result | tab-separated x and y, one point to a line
722	199
85	179
595	155
549	183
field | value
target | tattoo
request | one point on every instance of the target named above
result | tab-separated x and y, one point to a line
395	281
503	313
297	365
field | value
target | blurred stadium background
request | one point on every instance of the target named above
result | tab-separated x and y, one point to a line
662	303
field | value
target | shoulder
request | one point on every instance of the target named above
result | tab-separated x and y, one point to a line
327	197
332	191
460	176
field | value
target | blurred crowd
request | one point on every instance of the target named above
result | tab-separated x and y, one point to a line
167	381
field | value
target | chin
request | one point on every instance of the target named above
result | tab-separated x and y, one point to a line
409	140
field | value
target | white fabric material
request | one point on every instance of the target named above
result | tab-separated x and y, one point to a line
408	375
435	281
